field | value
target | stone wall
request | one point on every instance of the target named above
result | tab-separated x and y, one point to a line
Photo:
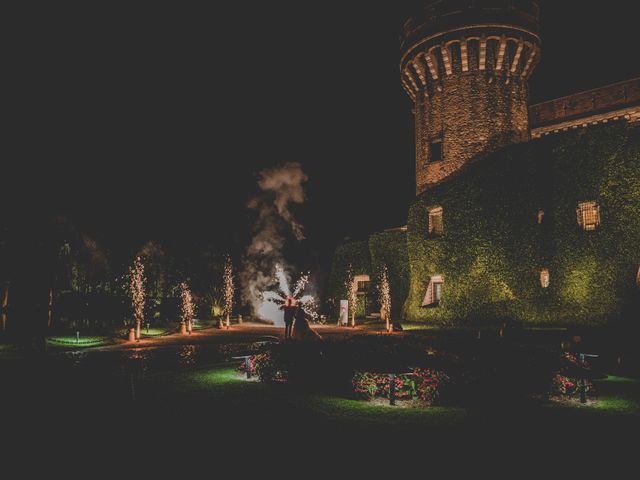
583	104
473	115
620	101
470	92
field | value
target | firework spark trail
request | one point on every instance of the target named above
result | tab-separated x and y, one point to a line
300	284
273	297
273	300
309	305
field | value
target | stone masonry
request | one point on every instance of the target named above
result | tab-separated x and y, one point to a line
465	65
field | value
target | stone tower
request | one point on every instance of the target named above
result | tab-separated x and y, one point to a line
465	64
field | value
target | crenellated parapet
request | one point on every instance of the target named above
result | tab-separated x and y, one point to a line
465	65
505	57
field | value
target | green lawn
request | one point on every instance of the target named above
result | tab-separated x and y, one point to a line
242	399
8	350
619	395
71	341
156	332
224	384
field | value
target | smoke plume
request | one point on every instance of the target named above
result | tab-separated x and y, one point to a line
280	188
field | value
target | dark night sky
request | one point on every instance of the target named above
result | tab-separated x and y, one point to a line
150	122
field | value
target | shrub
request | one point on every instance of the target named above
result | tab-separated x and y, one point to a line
242	368
365	385
569	387
269	369
429	384
421	384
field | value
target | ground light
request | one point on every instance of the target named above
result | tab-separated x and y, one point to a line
247	364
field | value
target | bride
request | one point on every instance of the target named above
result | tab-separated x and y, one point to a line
301	328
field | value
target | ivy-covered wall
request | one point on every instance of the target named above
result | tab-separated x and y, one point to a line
368	257
355	254
390	249
493	248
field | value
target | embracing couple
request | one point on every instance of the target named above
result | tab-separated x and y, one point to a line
294	313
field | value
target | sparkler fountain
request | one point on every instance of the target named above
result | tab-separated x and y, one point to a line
384	291
272	301
351	285
187	309
229	290
136	286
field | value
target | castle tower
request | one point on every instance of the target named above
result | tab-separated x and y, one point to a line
465	64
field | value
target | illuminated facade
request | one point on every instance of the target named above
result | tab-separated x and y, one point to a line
465	65
530	213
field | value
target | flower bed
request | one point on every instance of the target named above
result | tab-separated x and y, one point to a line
266	367
567	387
242	368
421	384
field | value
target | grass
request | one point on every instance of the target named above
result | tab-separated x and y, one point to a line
345	410
9	351
224	386
155	332
409	327
202	325
218	403
71	341
619	395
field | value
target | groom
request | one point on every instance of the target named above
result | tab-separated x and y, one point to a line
289	308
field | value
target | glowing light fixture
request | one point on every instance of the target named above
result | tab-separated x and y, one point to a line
544	278
588	215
